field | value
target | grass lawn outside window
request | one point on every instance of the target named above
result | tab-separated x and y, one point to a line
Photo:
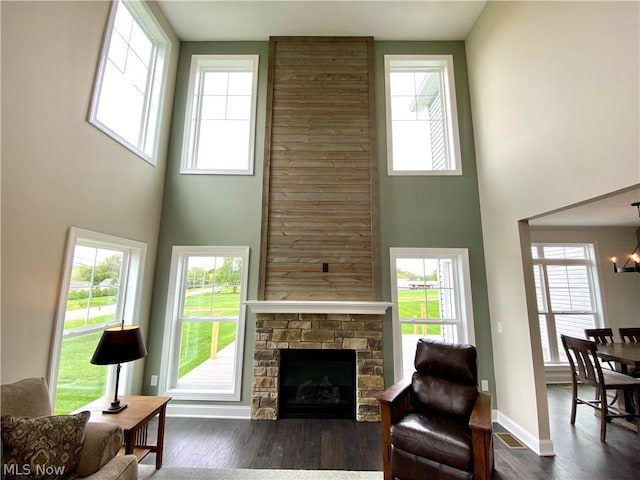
196	339
80	382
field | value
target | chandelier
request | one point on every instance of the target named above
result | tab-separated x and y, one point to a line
635	255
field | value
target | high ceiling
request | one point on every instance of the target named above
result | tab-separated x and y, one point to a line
220	20
382	19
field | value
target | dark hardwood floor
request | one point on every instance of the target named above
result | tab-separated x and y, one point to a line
347	445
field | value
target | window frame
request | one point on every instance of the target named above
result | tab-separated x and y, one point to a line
450	112
463	300
148	145
172	332
549	313
127	307
199	65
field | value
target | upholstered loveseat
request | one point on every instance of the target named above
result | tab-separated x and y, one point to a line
66	444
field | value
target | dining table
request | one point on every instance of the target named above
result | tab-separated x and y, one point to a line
625	355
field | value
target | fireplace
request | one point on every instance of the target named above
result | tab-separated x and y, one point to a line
317	383
354	327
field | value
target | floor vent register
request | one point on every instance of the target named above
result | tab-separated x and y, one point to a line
510	441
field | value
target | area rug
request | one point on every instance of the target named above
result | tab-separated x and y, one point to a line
148	472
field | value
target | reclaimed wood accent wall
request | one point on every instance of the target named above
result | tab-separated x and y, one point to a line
319	220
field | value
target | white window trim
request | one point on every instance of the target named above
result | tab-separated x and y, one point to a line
187	162
171	340
594	283
450	111
130	307
155	110
464	297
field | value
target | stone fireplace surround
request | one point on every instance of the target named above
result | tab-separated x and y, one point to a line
343	325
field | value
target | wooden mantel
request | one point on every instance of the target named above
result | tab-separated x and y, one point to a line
318	306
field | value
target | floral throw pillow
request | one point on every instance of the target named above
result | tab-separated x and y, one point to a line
42	448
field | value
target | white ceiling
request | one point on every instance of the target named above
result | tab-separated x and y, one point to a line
209	20
611	210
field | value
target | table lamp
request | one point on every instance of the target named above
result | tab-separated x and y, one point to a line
119	345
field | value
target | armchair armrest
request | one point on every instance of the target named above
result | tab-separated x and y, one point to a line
481	414
395	402
396	399
482	437
102	441
118	468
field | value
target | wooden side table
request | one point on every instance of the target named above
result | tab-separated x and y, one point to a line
134	421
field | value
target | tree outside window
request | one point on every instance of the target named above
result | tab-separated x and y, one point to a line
99	288
205	323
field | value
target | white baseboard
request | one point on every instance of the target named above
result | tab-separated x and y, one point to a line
557	374
542	447
208	411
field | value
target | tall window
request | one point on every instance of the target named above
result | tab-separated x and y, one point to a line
205	323
566	294
220	118
432	292
102	276
422	123
130	79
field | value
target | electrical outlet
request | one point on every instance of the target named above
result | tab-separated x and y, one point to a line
499	327
154	380
484	385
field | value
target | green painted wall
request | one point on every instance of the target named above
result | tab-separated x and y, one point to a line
414	211
218	210
433	211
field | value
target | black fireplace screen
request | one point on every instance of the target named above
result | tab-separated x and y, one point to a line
317	383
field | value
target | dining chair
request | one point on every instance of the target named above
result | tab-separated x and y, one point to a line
601	336
629	334
586	370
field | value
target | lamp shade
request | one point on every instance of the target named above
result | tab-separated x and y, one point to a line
119	345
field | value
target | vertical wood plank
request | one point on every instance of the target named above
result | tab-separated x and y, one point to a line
266	177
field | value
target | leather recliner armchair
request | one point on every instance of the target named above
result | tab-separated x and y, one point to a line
437	425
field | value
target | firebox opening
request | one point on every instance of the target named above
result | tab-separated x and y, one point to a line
317	384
